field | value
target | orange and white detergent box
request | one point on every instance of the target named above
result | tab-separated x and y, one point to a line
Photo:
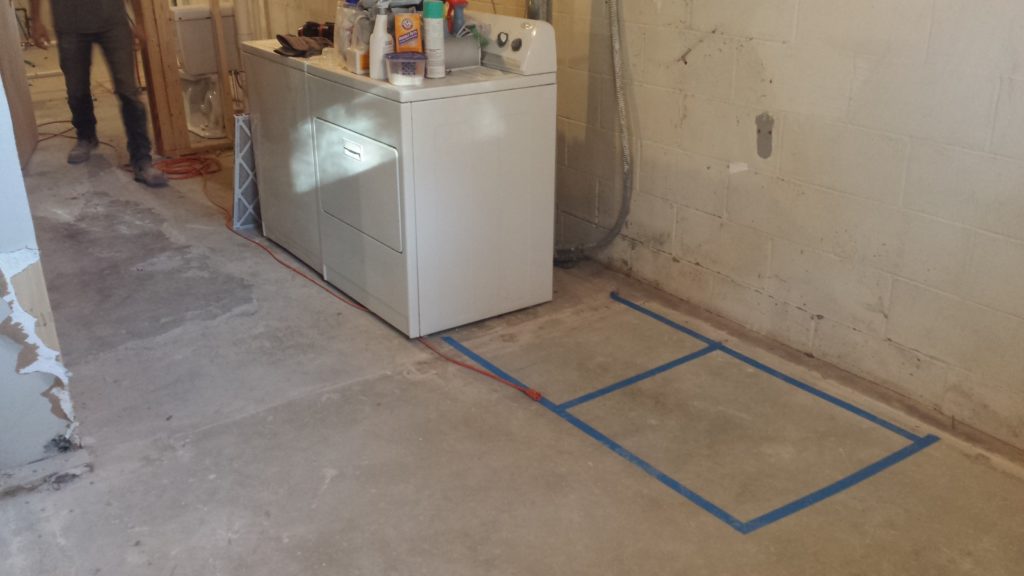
408	32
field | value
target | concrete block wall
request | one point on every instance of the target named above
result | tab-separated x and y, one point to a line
885	231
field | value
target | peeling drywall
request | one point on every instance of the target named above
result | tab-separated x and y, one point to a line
21	326
36	416
35	407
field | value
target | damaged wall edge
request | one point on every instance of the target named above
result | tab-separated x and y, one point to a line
37	419
40	351
30	367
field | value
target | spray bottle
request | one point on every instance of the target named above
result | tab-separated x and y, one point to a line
456	17
381	43
434	33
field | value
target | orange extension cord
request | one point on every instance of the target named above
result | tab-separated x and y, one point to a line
187	167
44	136
202	166
529	392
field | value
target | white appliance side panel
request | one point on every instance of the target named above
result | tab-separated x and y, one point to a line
485	204
408	184
283	145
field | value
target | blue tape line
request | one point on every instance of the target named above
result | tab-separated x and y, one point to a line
919	443
653	472
494	369
836	487
663	320
649	469
638	378
773	372
823	395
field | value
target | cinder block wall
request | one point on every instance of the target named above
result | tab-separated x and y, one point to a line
885	231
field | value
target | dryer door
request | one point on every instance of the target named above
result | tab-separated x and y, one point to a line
359	183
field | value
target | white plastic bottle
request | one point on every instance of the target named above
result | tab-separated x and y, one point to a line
345	22
357	56
381	44
433	36
340	34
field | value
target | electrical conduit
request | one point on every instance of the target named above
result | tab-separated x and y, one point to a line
572	255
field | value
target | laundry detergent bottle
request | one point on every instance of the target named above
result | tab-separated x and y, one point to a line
381	44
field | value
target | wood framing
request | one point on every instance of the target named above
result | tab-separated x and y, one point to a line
15	84
160	59
223	72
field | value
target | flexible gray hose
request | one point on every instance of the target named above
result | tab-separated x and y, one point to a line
538	10
569	256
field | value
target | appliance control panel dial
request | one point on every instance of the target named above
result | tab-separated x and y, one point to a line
517	45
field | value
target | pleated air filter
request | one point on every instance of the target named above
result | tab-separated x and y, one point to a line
246	214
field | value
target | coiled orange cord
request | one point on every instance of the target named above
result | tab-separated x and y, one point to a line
187	167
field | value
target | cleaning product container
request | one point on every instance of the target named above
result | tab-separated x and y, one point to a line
406	69
434	38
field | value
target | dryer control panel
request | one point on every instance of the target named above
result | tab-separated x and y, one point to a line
516	45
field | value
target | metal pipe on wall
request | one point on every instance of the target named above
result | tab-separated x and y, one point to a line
539	10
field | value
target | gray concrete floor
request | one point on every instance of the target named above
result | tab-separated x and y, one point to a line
242	422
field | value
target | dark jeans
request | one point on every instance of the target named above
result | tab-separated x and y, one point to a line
76	60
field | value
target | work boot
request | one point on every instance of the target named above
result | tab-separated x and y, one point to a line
148	175
82	150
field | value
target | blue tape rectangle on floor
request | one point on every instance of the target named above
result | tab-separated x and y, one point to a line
917	444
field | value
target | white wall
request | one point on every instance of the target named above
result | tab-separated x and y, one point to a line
34	405
885	233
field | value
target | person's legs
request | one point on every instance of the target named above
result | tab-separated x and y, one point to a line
75	52
118	49
117	44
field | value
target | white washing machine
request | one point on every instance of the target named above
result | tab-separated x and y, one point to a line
437	202
283	148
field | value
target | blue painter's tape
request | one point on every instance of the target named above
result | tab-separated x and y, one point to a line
663	320
587	429
823	395
836	487
650	470
638	378
919	443
775	373
494	369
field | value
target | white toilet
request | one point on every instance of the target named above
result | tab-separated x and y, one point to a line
197	58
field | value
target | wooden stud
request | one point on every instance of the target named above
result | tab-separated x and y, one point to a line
161	65
223	72
167	104
15	84
152	69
